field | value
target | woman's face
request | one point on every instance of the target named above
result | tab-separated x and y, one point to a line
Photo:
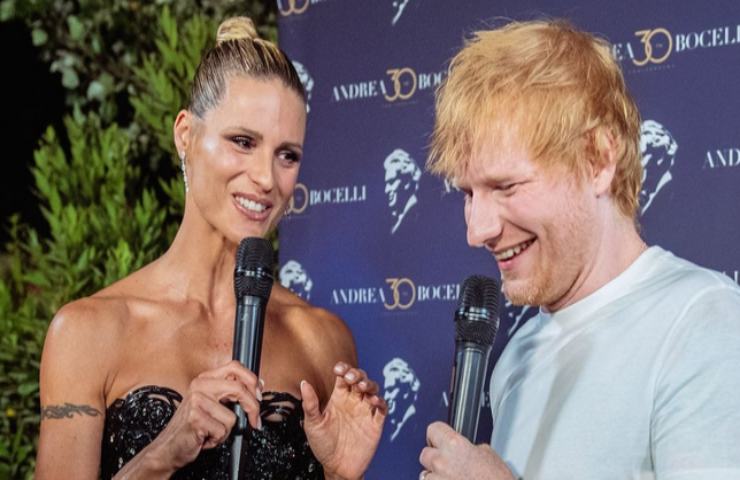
242	158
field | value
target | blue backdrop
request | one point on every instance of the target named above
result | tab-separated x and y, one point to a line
380	242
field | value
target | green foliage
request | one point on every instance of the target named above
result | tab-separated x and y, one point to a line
165	75
110	203
92	222
100	230
19	363
100	44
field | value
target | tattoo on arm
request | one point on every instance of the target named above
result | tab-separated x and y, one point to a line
68	410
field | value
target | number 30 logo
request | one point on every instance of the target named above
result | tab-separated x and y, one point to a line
402	90
295	7
646	38
398	295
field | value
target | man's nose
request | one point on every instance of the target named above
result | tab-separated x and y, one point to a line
483	218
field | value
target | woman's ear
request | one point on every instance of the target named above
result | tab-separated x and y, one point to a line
181	131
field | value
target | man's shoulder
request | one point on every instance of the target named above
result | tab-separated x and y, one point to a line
687	279
694	301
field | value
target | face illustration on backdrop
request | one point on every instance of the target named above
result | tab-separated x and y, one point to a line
400	391
516	315
398	7
294	277
307	81
402	176
658	148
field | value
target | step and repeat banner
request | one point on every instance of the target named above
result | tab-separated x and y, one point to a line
376	239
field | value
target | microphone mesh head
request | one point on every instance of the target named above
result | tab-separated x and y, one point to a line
253	271
481	292
476	319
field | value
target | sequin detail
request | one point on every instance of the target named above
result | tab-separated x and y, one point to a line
279	451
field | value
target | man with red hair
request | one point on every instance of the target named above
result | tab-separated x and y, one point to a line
630	368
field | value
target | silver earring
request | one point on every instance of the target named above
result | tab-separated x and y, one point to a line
184	172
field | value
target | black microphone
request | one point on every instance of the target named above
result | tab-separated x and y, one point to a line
476	322
252	285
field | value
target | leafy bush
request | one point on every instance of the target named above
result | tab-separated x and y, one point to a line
100	230
96	46
107	185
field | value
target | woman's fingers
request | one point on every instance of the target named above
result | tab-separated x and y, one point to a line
353	376
211	421
356	381
310	402
378	403
368	386
341	368
224	391
236	371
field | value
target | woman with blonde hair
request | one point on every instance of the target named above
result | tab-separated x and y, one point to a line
136	380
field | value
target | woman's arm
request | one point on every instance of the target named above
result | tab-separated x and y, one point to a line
73	372
77	361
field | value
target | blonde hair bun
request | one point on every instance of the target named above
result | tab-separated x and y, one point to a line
236	28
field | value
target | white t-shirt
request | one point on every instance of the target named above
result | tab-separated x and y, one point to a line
639	380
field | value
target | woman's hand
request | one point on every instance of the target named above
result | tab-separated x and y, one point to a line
345	435
202	420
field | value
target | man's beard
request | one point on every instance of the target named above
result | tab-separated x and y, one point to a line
558	270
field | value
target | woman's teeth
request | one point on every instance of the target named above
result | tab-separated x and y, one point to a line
513	251
250	205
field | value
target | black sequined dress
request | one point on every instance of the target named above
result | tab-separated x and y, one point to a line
279	451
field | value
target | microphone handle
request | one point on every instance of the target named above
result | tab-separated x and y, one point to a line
469	375
248	329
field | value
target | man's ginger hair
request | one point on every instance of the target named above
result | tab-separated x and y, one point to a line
559	88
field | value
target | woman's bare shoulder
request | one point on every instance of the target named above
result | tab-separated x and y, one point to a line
317	326
296	310
82	338
113	305
87	317
96	322
85	344
103	311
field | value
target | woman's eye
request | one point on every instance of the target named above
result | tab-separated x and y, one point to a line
290	156
243	141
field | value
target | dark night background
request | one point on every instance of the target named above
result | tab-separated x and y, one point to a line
32	99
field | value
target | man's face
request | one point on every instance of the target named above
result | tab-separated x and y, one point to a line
541	225
400	179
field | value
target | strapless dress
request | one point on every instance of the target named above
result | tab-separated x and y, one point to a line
279	451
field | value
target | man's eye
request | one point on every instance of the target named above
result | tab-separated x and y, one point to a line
506	187
243	141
